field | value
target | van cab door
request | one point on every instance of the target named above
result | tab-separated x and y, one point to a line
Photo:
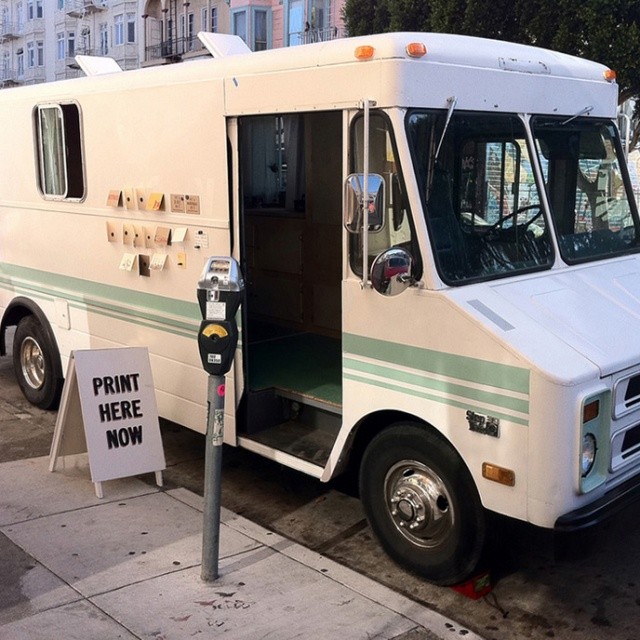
374	325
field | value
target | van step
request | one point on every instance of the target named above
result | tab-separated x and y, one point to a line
310	400
306	442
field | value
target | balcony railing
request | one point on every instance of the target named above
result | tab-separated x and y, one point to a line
9	77
175	48
10	31
317	35
81	8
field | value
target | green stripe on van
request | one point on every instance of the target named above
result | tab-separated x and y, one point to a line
493	374
105	299
429	396
451	388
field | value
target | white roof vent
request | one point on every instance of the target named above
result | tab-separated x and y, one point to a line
97	65
220	45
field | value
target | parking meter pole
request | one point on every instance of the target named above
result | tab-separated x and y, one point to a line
220	290
212	479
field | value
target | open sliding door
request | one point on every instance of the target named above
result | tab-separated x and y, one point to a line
287	194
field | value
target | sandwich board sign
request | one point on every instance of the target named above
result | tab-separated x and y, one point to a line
108	408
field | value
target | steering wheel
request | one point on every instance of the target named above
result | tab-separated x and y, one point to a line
515	214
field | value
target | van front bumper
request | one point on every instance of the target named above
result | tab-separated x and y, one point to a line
607	505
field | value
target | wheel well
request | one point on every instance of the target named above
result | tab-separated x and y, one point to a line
18	309
370	426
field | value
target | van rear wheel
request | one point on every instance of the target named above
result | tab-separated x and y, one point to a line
36	364
422	503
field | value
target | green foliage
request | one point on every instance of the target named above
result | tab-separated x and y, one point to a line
364	17
607	31
409	15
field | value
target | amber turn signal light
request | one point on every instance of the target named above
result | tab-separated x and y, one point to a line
498	474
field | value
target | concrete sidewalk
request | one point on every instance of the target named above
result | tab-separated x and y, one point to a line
128	566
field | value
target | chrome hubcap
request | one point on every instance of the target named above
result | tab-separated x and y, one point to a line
418	503
32	363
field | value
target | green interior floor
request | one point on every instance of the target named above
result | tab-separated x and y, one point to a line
302	363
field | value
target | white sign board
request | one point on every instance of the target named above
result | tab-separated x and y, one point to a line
114	390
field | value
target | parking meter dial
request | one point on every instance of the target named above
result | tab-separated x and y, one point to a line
217	342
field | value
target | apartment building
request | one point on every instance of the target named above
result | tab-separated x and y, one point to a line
171	26
39	39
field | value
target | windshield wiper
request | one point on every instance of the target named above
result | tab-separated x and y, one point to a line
452	105
585	112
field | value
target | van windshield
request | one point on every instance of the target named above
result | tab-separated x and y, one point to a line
480	195
588	188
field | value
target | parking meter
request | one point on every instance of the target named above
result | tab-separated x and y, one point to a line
220	291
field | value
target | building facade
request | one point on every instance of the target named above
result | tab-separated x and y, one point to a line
39	39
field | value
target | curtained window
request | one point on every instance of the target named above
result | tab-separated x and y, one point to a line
60	151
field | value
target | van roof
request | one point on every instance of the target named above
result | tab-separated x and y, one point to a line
536	75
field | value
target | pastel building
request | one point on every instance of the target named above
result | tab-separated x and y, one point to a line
39	39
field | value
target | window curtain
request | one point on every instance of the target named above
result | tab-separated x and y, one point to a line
294	157
260	161
52	149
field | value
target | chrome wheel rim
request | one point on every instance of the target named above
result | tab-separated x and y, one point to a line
32	363
418	503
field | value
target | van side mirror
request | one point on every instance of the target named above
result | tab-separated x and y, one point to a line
391	271
355	202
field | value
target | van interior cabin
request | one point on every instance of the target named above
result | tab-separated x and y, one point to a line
291	246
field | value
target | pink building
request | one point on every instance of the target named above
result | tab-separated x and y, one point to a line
267	24
170	27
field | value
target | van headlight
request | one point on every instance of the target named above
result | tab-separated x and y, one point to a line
588	456
593	445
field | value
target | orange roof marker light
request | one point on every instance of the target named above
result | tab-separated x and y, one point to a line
416	49
609	75
364	52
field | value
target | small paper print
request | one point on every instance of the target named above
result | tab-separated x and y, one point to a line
162	237
148	233
112	231
158	261
192	204
179	234
177	203
129	199
138	236
128	233
143	265
128	261
141	199
115	198
155	202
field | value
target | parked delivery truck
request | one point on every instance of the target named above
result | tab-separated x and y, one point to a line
441	253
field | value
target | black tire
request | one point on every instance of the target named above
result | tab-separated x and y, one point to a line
422	503
36	362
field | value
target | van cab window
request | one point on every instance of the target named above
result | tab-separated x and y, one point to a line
587	185
393	227
480	195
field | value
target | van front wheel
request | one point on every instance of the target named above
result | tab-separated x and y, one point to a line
422	503
34	363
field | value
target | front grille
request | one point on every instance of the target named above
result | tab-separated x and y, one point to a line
626	395
625	447
631	442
